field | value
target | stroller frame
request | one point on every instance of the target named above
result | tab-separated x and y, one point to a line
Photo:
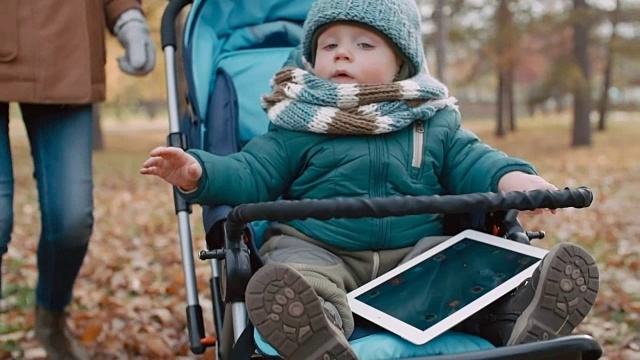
241	260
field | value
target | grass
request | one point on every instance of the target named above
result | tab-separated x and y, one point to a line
129	300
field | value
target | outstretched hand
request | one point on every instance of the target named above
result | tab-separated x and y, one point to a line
520	181
174	166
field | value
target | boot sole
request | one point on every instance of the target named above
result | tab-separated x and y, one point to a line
566	291
288	314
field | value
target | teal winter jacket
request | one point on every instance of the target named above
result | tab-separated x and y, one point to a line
433	157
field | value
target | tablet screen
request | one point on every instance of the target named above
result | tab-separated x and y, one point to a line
437	287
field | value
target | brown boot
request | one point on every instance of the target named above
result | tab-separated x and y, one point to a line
564	293
289	315
55	337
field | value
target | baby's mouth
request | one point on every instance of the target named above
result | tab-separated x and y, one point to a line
342	77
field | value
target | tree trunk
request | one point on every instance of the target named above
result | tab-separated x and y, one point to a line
606	82
500	129
582	85
511	101
98	137
441	40
504	68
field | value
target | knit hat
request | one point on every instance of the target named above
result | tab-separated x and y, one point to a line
398	20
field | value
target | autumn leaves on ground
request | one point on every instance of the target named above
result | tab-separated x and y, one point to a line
130	300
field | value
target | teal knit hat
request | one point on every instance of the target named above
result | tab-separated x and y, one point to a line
398	20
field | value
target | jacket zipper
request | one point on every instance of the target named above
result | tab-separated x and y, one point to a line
377	190
376	265
418	143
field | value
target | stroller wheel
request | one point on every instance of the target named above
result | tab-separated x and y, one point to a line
288	314
565	293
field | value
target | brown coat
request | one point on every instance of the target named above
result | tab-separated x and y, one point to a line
53	51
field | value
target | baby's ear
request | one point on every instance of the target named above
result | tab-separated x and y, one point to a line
398	68
403	72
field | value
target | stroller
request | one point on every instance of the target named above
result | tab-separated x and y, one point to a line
231	49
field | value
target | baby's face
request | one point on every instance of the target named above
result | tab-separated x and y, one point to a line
349	54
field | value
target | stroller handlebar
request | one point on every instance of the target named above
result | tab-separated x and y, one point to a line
324	209
167	27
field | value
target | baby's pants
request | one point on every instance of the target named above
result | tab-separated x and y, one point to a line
334	272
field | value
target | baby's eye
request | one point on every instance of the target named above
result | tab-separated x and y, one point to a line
365	45
329	46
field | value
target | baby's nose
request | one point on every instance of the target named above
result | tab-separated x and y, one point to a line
342	53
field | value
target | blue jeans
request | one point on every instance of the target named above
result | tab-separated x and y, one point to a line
61	147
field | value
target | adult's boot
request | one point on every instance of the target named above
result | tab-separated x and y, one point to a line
55	336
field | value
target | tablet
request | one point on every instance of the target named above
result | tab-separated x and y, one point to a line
438	289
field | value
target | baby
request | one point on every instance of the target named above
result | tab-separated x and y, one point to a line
363	118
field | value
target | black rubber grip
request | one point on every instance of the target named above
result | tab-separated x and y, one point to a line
324	209
167	26
195	328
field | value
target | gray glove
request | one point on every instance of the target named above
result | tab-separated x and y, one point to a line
133	34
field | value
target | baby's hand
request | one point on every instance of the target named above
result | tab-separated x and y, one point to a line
174	166
519	181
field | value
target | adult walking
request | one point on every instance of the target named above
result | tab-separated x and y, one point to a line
52	63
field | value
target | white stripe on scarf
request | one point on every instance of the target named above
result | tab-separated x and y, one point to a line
410	89
384	124
348	96
321	120
275	111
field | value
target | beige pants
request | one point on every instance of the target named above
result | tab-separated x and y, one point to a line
333	272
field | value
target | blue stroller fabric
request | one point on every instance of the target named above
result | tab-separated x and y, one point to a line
385	345
231	50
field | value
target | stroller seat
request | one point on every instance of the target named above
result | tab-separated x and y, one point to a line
385	345
231	50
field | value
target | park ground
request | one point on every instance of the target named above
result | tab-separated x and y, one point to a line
129	300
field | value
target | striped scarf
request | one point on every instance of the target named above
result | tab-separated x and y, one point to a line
300	101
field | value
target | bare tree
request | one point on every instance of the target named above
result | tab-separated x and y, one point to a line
506	55
608	69
500	128
582	84
441	39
